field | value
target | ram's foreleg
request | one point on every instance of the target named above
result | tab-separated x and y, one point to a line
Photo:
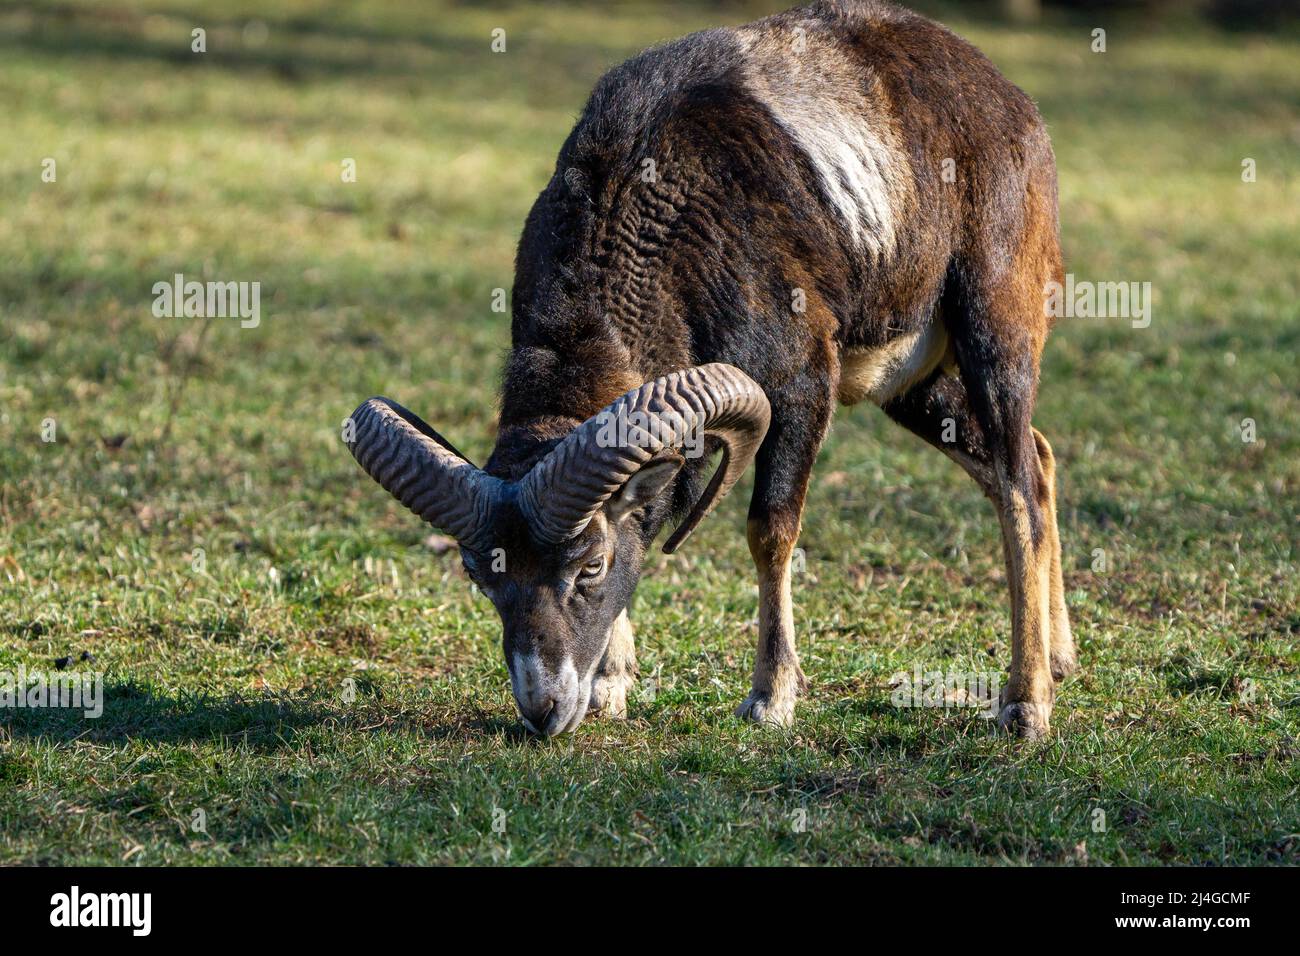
616	673
784	466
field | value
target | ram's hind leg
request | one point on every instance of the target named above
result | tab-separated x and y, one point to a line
1028	697
993	309
616	674
1064	658
1003	459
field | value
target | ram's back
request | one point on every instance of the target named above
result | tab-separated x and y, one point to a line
752	194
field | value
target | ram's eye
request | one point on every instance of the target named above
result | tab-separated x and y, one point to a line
593	567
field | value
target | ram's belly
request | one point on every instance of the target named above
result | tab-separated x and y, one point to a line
889	370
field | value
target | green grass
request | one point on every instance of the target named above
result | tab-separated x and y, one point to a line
226	687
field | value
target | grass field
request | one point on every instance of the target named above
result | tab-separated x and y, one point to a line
283	652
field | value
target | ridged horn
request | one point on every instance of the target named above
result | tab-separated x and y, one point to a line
422	470
564	490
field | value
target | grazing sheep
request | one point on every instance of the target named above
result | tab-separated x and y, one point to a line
838	203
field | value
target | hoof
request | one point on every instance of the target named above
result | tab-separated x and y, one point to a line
1025	720
609	695
1064	663
764	708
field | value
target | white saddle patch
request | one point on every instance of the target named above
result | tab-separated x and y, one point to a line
831	108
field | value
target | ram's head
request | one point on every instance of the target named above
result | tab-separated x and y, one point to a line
559	551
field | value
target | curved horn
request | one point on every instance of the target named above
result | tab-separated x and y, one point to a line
567	487
421	469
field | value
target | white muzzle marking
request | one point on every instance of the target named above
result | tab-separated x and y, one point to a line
534	684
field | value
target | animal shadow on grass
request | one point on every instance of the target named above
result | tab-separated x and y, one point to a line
134	712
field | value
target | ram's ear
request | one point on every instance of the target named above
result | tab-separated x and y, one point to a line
645	486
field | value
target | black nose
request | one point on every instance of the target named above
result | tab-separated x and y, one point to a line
537	714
